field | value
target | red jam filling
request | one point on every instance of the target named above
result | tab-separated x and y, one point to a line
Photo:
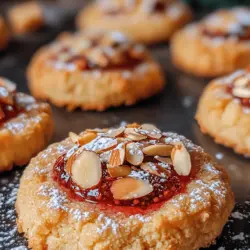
163	188
244	101
7	112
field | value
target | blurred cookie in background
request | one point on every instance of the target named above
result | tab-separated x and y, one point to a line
146	21
217	45
26	17
4	37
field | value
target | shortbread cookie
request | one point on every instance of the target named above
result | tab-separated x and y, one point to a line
4	37
94	71
25	126
146	21
26	17
131	187
224	111
217	45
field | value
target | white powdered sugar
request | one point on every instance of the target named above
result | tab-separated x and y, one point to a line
100	143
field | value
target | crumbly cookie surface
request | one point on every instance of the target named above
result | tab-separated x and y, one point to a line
134	219
93	70
219	43
224	111
26	17
146	21
4	39
26	126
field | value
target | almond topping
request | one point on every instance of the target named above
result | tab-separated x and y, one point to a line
86	170
118	171
241	92
133	135
165	160
151	131
117	156
181	160
129	188
82	139
241	82
101	144
134	154
154	168
115	132
158	149
74	137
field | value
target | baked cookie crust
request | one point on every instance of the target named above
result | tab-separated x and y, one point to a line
217	45
143	21
223	116
26	17
96	72
24	134
189	220
4	39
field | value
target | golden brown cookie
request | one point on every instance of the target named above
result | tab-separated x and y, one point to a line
217	45
26	17
224	111
26	126
95	71
4	37
146	21
132	187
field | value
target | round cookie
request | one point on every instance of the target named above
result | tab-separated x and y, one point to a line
4	38
133	187
26	126
217	45
224	111
146	21
94	71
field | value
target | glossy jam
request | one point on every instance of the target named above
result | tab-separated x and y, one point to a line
244	101
163	188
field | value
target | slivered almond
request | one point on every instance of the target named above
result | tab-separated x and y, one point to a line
154	168
134	154
118	171
101	144
133	135
181	160
129	188
158	149
83	139
86	170
166	160
241	92
117	156
241	82
115	132
151	131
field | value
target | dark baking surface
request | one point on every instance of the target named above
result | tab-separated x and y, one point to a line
172	110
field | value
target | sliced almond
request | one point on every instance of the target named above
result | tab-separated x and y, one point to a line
86	169
117	156
115	132
83	139
241	82
97	130
134	154
151	131
165	160
181	160
74	137
101	144
10	86
158	149
129	188
133	135
118	171
154	168
241	92
133	125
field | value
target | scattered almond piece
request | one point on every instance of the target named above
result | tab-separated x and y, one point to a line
101	144
86	170
117	156
74	137
151	131
241	92
134	154
115	132
133	135
241	82
158	149
87	137
181	160
118	171
129	188
166	160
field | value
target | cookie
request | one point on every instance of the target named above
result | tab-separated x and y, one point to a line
131	187
146	21
26	17
94	71
4	38
224	111
219	44
25	126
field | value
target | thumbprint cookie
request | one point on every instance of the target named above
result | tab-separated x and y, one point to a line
94	71
217	45
26	17
4	37
146	21
224	111
132	187
25	126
